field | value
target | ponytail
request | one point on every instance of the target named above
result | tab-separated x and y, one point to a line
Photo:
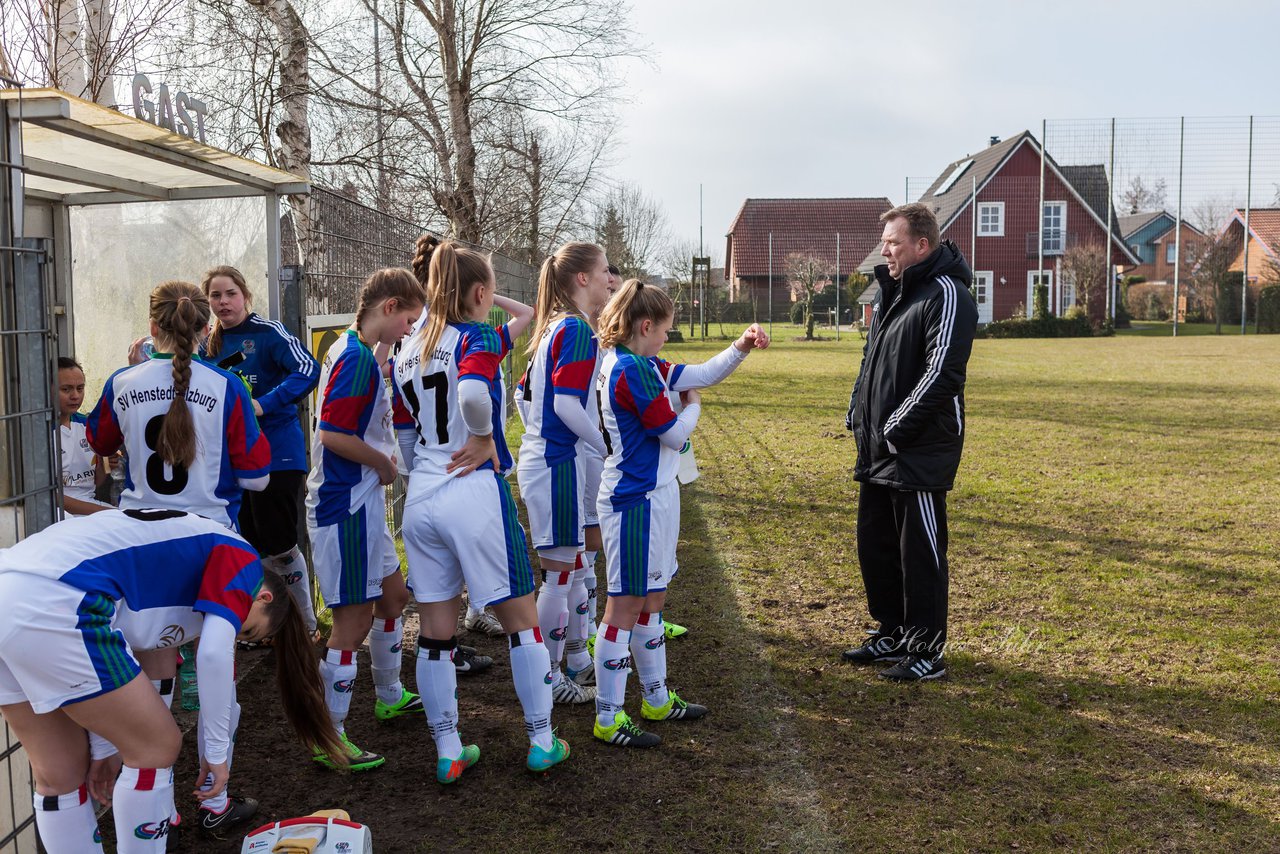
635	301
556	285
448	271
388	283
298	674
181	311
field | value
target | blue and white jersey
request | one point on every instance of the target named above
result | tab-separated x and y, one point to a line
282	373
229	446
79	463
162	569
355	400
426	398
635	410
563	364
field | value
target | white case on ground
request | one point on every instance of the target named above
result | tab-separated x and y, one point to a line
336	836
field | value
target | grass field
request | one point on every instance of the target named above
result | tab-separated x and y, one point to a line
1113	671
1115	616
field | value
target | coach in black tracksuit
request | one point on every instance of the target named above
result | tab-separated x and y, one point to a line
907	417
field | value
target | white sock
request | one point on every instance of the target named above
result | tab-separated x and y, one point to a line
575	646
338	671
292	567
649	652
438	684
164	687
530	670
472	610
142	802
589	581
218	804
66	823
386	639
613	663
553	616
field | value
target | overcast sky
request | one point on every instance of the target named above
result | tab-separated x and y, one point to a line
845	98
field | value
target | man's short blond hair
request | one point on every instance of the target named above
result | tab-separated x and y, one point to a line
920	221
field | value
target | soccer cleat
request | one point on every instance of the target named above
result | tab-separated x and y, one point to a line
568	692
673	630
624	733
484	623
674	709
357	759
876	648
916	668
468	662
591	646
449	770
541	759
408	704
237	812
585	676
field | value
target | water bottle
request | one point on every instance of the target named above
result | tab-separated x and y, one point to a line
148	348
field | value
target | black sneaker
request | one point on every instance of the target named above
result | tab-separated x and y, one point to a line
875	649
916	668
467	661
238	811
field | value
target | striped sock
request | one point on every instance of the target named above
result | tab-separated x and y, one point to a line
67	823
386	639
649	652
531	673
142	802
438	686
338	672
164	687
553	616
576	643
613	663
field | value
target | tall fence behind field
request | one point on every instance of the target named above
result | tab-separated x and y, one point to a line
354	240
1217	179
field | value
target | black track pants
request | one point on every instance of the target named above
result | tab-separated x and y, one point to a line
902	547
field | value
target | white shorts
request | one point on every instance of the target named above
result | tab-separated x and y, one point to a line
640	542
593	468
553	497
352	557
57	645
467	530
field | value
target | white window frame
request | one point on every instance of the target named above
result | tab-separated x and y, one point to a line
1066	293
998	231
1045	277
1171	253
983	284
1061	241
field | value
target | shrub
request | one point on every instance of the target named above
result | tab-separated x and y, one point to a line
1043	327
1149	302
1269	309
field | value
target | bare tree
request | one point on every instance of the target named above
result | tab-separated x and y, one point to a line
1085	266
807	274
632	228
1138	197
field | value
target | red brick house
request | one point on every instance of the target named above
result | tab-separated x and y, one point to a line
797	225
1152	237
1003	182
1264	242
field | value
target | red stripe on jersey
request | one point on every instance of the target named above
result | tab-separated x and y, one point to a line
622	395
146	780
664	368
253	457
342	408
658	414
480	364
574	375
401	417
222	582
101	429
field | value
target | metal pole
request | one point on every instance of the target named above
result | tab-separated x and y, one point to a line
839	285
273	255
1177	237
1248	203
973	210
906	190
702	299
1110	307
771	284
1039	276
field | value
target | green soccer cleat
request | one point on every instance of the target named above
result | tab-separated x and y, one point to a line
591	646
408	704
674	709
357	759
624	733
673	630
541	759
449	770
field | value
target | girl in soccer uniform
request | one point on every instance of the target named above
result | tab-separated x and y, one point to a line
352	453
281	373
639	501
460	520
561	427
82	596
191	443
82	469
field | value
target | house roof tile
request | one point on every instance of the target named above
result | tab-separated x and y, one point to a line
802	225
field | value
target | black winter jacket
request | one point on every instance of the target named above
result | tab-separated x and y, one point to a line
910	390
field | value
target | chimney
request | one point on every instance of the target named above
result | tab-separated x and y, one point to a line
994	140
